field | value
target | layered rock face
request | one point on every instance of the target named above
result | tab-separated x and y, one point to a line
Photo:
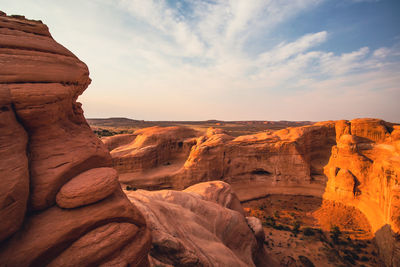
201	226
113	142
57	179
288	161
154	154
364	172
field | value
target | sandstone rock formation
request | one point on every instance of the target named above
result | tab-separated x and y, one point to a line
87	188
200	227
154	154
58	195
354	165
288	161
115	141
364	172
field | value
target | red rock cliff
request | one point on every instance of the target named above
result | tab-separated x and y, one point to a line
60	202
364	172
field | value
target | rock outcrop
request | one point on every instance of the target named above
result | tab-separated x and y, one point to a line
155	154
287	161
353	165
59	196
364	172
199	226
115	141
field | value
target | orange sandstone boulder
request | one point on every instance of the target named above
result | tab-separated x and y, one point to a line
218	192
88	187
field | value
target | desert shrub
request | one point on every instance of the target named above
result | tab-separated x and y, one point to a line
276	214
351	254
349	259
269	221
364	258
308	231
306	261
362	245
104	132
335	233
282	227
296	227
130	188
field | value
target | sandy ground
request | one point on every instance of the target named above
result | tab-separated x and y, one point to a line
311	246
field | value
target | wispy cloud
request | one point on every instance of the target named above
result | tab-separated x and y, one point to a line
155	59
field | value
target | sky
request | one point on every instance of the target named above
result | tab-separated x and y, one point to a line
231	60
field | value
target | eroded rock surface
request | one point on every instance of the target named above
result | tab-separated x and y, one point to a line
88	187
364	172
288	161
191	228
155	154
115	141
14	182
353	165
40	81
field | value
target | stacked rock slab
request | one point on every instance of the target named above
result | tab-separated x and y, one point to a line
60	202
203	225
364	172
